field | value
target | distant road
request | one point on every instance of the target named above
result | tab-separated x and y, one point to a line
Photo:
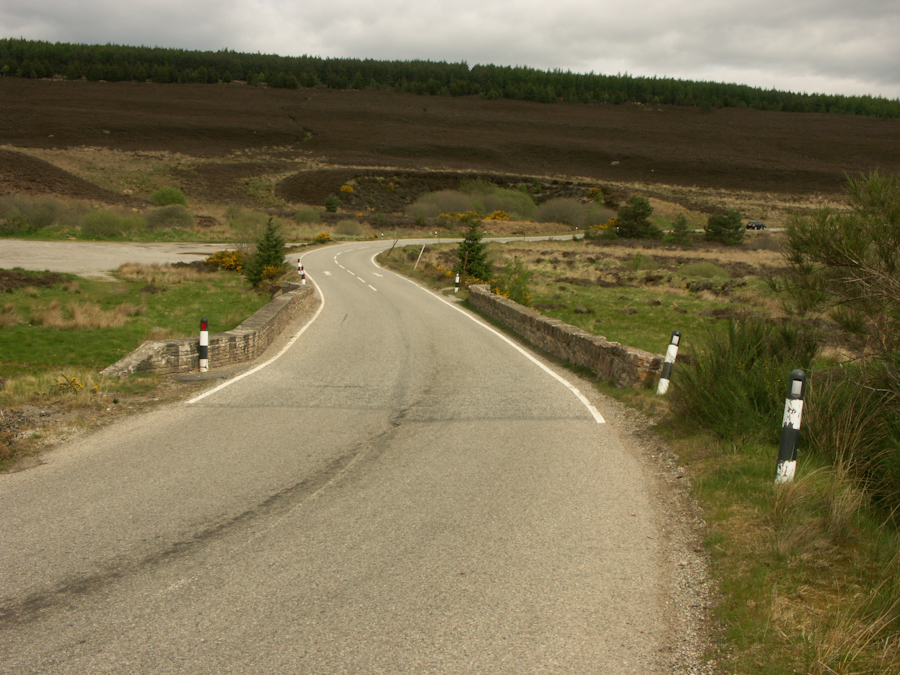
97	259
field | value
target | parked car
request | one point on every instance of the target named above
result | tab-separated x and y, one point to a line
756	225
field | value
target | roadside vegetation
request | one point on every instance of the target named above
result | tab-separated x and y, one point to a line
809	572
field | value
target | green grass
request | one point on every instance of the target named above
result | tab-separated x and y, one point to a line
627	315
172	310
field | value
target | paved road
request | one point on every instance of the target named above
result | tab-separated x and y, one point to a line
401	491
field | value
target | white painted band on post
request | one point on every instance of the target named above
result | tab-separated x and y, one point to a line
204	346
790	429
784	472
668	363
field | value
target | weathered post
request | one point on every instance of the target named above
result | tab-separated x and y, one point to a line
671	355
790	428
204	346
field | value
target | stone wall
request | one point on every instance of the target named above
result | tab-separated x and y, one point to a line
625	366
244	343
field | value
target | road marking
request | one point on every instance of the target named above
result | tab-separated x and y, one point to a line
571	387
373	288
377	275
290	343
327	274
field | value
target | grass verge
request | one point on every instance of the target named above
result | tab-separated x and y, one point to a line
59	331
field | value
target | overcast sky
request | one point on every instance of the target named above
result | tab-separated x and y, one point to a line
827	46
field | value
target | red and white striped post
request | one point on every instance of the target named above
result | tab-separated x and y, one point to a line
301	272
671	355
204	346
790	428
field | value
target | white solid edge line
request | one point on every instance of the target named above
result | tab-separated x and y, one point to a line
571	387
274	358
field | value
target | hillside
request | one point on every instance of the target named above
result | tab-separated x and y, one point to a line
773	153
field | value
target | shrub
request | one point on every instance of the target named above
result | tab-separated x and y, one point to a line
850	260
351	228
228	260
513	282
104	224
487	198
172	216
322	238
598	216
726	228
434	204
167	196
308	215
332	203
561	210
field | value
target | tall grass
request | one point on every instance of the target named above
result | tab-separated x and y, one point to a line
736	382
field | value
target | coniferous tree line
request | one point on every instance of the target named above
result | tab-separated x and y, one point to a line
36	59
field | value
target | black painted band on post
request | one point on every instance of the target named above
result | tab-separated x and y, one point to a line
790	428
204	346
671	355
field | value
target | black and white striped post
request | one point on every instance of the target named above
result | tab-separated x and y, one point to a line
790	428
671	355
456	287
204	346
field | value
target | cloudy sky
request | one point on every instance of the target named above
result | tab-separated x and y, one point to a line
827	46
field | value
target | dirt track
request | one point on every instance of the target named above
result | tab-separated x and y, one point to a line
730	148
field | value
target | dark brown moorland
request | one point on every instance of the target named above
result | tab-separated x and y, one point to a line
733	149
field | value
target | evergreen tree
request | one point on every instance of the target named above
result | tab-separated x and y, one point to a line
268	257
725	228
633	221
472	253
681	231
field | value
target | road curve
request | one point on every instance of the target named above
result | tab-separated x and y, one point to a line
401	491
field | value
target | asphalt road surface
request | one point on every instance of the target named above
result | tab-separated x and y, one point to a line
401	491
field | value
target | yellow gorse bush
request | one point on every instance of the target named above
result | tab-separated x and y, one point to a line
272	272
498	215
322	238
228	260
70	384
347	188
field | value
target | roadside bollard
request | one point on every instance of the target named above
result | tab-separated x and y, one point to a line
301	272
204	346
671	354
456	287
790	429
